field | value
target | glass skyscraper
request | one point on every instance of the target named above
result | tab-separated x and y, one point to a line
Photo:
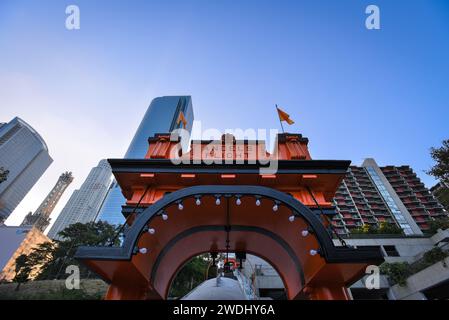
24	156
161	117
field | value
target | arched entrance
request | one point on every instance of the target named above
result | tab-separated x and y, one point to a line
248	277
188	213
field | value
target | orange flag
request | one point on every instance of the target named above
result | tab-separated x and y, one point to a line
283	116
182	119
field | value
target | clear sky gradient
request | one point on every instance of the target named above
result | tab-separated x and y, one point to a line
355	93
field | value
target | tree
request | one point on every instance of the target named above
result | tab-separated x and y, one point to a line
435	255
441	192
90	234
397	272
50	259
441	223
190	276
441	156
42	260
22	270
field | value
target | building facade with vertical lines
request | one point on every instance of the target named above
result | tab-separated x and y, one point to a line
161	116
24	156
85	202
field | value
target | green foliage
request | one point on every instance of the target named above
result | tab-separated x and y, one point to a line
22	269
442	194
442	223
383	228
57	294
54	257
441	156
435	255
397	272
89	234
389	228
190	276
365	229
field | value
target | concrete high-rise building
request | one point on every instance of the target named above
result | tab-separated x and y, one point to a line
40	219
85	202
161	117
24	155
441	193
370	195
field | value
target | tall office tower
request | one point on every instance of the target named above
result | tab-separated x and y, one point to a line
370	195
161	117
24	156
85	202
41	217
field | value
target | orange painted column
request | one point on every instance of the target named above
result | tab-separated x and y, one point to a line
328	293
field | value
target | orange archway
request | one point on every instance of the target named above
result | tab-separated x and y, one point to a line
177	211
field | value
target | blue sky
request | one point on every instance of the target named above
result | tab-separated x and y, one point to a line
355	93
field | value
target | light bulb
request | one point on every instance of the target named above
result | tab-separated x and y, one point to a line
217	202
305	233
257	202
151	231
198	201
238	201
180	206
291	218
164	216
275	208
143	250
313	252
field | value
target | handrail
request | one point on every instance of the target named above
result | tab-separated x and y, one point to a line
246	285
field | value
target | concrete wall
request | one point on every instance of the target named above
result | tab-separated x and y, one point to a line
408	248
268	280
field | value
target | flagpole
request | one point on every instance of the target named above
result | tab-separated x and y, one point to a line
280	119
